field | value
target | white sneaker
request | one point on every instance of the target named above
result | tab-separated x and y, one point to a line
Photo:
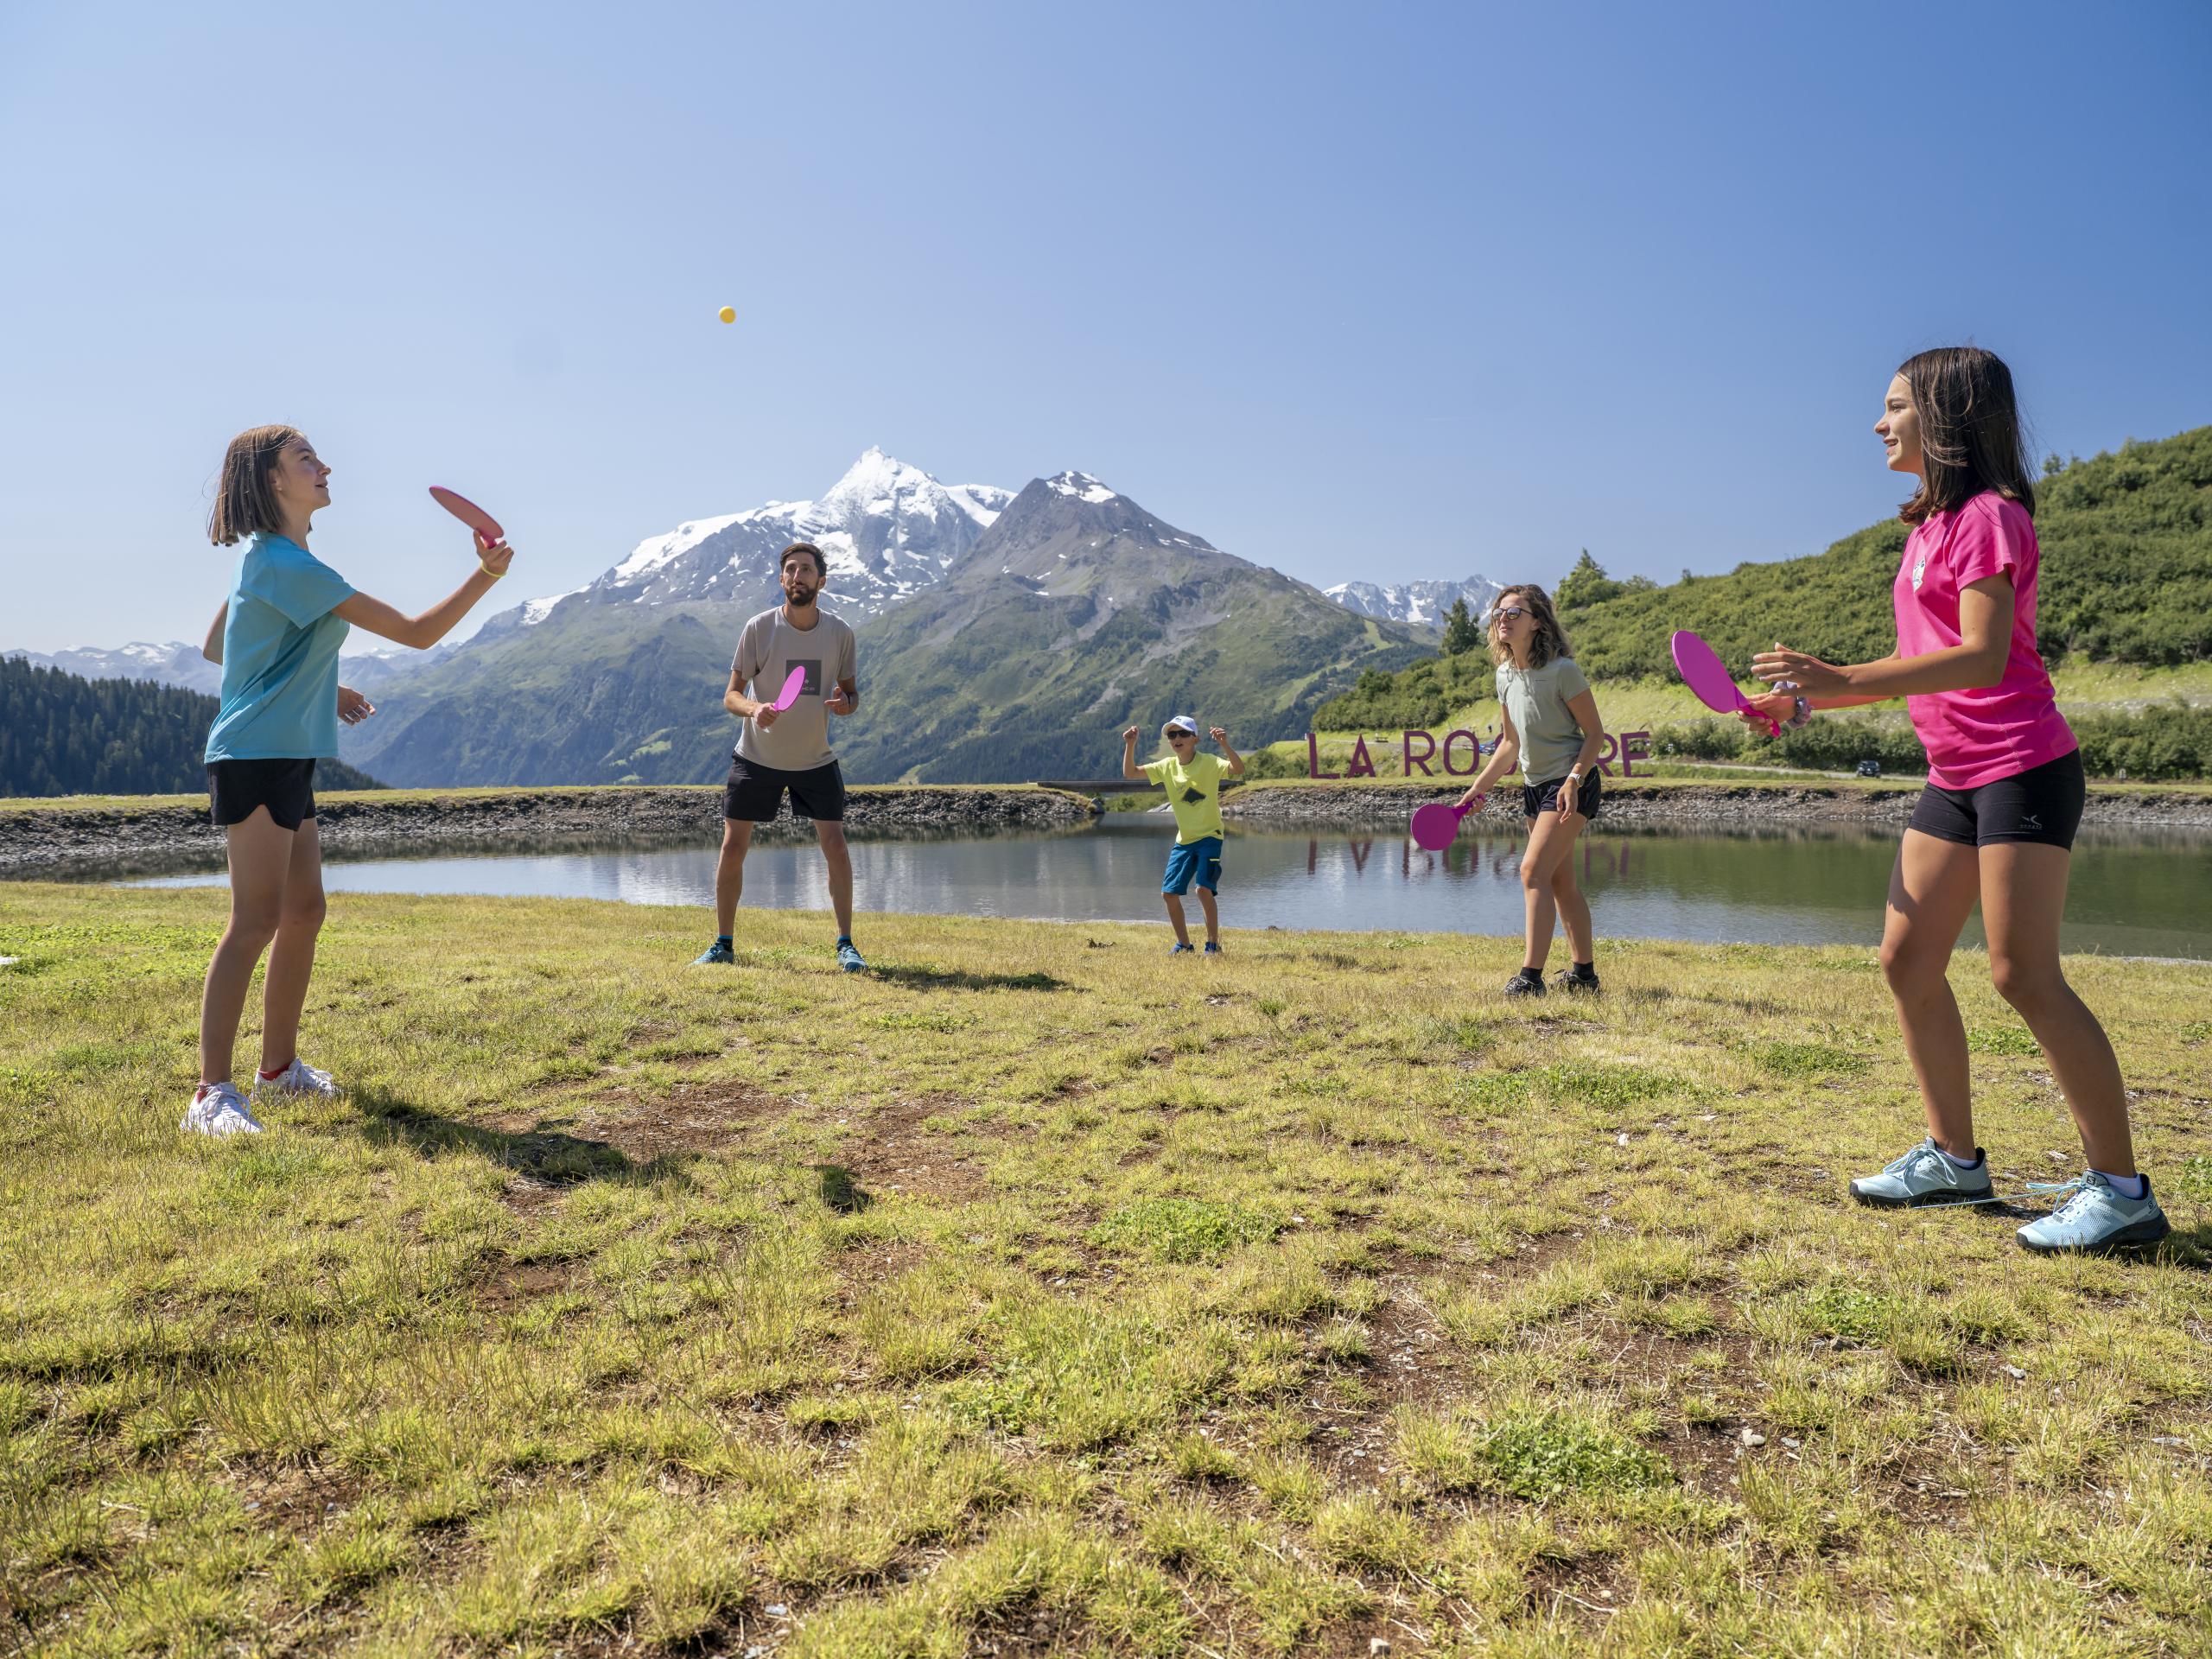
299	1078
218	1108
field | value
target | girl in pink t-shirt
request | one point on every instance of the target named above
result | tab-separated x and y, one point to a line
2005	794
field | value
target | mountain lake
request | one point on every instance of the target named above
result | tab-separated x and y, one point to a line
2134	892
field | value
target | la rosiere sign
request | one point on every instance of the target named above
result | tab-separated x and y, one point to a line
1627	748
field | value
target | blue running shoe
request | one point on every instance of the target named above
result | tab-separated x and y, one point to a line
2094	1219
1213	947
1924	1177
1180	948
717	955
848	958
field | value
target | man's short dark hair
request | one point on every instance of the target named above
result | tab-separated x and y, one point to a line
821	566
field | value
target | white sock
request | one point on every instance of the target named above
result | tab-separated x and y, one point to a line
1974	1162
2137	1186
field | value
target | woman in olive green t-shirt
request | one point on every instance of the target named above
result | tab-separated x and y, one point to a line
1552	731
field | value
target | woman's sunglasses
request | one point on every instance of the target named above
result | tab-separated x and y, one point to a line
1510	613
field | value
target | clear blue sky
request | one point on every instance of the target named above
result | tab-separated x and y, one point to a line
1386	291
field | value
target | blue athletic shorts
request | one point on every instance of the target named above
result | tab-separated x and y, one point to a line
1199	861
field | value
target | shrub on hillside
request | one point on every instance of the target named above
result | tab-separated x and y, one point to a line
1417	697
2171	743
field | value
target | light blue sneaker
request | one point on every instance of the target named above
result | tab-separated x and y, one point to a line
2094	1219
1179	948
717	955
849	957
1924	1177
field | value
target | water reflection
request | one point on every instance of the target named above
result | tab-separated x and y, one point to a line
2147	895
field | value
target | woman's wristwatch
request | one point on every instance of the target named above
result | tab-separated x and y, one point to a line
1804	712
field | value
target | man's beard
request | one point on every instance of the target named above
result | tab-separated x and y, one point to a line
801	597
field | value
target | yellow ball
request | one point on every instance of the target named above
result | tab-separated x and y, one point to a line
728	314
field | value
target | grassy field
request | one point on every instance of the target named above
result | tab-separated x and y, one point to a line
1033	1294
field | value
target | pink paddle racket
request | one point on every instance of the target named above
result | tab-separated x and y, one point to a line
469	513
1703	673
1437	825
794	683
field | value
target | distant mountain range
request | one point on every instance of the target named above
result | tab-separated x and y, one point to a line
1001	637
1000	634
1423	604
182	665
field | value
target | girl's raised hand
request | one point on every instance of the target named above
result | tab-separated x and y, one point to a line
494	557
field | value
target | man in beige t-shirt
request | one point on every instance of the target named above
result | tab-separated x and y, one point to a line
788	750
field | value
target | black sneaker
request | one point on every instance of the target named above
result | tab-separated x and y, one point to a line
1526	983
1573	980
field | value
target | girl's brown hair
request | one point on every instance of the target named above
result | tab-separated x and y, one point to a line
1549	642
1970	438
244	502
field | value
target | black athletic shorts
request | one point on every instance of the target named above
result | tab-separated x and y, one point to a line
756	792
236	788
2042	804
1544	797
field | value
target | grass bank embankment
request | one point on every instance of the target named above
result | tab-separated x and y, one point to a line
1036	1294
37	835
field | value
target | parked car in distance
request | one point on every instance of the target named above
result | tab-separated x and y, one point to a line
1869	768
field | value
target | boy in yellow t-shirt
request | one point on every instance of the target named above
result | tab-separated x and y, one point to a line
1193	785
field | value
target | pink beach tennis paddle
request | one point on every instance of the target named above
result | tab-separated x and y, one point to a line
1437	825
469	513
794	683
1703	673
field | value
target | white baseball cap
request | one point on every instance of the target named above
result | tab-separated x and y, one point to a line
1180	723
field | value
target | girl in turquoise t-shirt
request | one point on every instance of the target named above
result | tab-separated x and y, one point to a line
1553	732
277	636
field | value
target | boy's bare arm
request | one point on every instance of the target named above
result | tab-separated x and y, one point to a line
1129	767
1235	760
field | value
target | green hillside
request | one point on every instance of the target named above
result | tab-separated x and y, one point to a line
63	734
2126	541
613	694
996	684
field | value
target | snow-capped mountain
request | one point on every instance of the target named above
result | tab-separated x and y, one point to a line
1421	603
887	530
173	664
180	665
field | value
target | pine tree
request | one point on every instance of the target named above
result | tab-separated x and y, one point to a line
1461	632
1586	584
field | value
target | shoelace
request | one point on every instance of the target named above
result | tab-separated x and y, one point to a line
2079	1187
1912	1160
